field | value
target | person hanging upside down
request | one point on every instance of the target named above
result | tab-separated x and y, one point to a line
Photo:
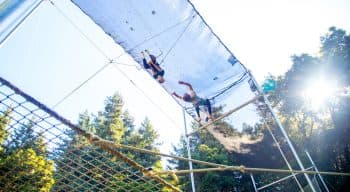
157	71
191	97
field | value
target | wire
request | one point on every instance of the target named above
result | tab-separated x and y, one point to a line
80	31
111	61
124	74
222	91
177	40
112	147
144	94
211	30
156	35
81	84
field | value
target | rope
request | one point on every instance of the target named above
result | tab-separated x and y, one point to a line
283	155
114	62
111	148
93	139
244	169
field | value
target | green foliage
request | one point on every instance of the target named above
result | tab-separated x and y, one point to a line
206	148
24	170
24	165
4	120
145	137
335	50
324	132
97	169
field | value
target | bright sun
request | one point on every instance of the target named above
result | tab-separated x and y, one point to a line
317	93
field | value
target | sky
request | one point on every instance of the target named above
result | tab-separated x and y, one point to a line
264	34
48	57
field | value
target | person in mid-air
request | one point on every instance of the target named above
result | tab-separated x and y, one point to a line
191	97
157	71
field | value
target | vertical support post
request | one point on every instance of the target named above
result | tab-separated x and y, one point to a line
285	159
254	183
13	28
188	151
285	135
319	175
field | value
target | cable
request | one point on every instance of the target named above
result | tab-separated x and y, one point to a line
80	31
177	40
112	147
222	91
222	43
155	35
81	84
111	61
114	63
144	94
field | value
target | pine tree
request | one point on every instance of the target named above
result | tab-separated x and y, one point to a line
92	165
24	165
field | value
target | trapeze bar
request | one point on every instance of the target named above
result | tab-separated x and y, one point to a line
225	115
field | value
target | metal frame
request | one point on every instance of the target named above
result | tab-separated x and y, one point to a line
285	158
275	182
188	151
256	189
285	135
31	9
319	175
253	181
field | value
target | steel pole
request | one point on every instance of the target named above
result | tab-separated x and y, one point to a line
188	151
279	124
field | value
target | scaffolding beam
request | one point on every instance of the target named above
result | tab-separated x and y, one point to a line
285	135
319	175
188	145
14	26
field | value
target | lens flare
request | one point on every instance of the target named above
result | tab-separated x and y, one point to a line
318	93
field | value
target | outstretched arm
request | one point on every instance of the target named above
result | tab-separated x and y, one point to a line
176	95
187	84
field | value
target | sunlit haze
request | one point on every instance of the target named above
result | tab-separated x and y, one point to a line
318	93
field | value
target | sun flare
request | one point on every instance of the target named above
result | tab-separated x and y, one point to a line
317	93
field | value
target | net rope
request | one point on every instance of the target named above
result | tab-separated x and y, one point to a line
77	168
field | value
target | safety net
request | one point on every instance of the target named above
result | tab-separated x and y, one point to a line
40	150
188	50
186	47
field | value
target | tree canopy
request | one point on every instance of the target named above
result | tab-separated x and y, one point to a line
324	131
